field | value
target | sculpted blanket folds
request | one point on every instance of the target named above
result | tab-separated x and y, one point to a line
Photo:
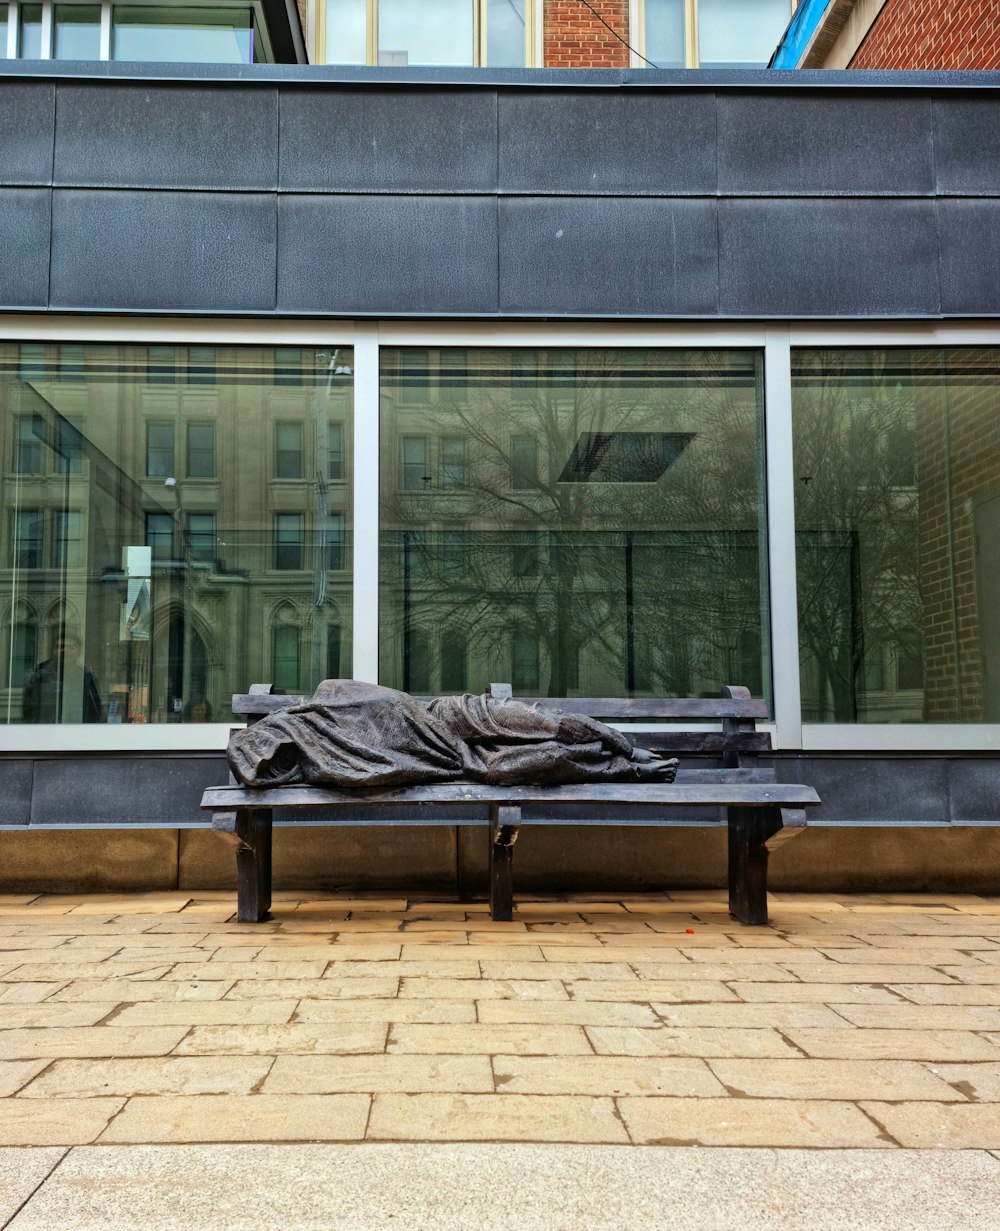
353	734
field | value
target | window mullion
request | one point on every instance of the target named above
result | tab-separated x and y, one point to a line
372	28
106	30
692	57
781	537
365	552
48	13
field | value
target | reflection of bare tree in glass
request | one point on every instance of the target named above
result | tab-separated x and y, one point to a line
707	615
630	569
856	508
525	554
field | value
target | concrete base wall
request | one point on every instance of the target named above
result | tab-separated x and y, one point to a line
842	858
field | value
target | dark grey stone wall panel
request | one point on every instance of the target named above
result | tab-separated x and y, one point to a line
27	109
387	254
826	144
856	790
608	256
828	258
126	135
162	250
563	142
970	256
15	791
24	247
974	789
967	145
397	141
124	790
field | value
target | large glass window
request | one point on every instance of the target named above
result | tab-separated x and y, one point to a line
30	42
396	33
28	538
289	450
664	33
639	474
184	33
77	32
188	35
711	33
897	487
133	591
201	450
159	449
29	444
285	658
289	540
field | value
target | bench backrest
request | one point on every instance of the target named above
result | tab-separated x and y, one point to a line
737	744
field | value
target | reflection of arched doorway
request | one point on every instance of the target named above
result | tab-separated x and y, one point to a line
187	666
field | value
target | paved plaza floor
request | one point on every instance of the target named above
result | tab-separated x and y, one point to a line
366	1061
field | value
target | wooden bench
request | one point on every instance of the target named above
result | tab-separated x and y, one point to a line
759	812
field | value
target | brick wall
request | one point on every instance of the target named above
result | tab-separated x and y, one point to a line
958	461
928	34
575	38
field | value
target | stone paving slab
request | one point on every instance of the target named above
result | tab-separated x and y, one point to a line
230	1117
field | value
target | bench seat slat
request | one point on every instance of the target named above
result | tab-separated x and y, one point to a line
721	793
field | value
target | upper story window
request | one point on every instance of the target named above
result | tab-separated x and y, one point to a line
397	33
185	33
711	33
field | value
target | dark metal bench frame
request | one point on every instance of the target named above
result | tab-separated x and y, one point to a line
760	813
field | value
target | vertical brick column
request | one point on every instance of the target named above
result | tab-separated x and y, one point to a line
958	462
576	38
928	34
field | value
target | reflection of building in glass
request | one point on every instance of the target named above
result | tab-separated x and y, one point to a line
897	495
185	510
578	521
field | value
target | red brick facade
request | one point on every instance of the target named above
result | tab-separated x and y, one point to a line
958	461
576	38
928	34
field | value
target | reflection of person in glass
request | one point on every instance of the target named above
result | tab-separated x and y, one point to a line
61	689
198	710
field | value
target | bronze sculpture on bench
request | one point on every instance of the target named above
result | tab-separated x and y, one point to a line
354	754
352	734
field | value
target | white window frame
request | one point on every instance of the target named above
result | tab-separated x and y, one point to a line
776	342
533	34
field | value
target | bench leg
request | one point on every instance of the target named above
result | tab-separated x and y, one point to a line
749	831
504	822
253	865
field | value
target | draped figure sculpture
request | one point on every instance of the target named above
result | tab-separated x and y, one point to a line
352	734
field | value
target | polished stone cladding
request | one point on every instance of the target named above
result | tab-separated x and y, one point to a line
289	190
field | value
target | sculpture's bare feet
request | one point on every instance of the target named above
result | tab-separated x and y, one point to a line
650	767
